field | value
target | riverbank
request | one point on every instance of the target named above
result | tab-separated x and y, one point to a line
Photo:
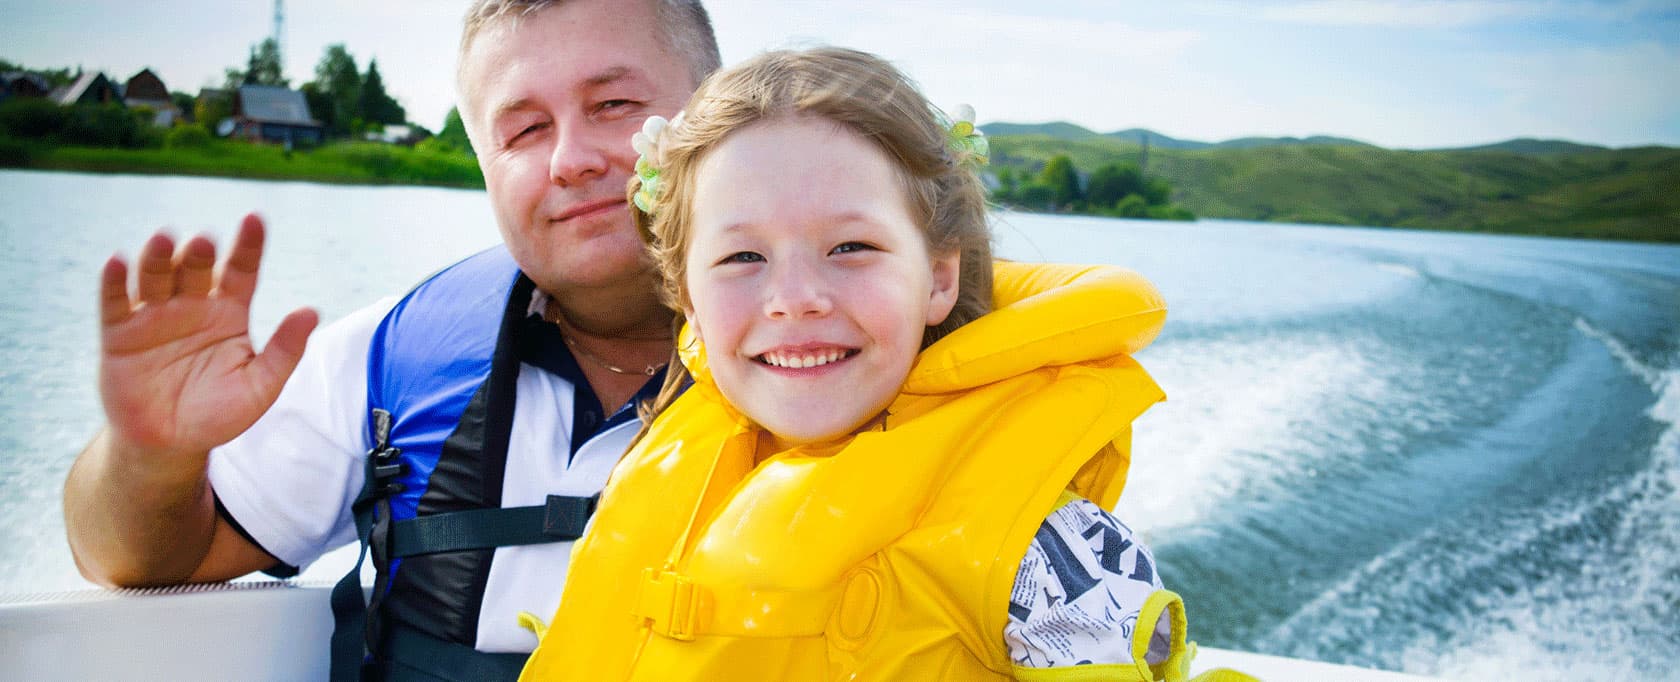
365	163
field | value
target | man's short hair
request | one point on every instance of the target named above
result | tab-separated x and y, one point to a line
685	24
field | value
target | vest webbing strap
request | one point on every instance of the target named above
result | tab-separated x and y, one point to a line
562	518
353	631
417	656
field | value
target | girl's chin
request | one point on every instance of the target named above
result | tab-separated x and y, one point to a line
818	438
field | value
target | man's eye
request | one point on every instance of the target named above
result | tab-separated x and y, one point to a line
852	247
613	108
742	257
527	130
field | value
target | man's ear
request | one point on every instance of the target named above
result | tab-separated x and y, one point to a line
947	273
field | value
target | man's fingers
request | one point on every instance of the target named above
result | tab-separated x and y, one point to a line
114	305
280	356
195	266
156	266
239	273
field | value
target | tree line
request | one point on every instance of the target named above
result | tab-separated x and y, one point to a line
1117	189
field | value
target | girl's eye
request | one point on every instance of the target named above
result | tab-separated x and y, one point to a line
852	247
742	257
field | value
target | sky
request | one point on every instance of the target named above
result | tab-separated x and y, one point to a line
1397	73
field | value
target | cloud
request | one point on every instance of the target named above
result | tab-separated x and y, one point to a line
1434	14
1401	13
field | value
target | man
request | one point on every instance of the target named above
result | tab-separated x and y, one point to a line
507	381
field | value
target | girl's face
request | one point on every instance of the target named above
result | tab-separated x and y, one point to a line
807	278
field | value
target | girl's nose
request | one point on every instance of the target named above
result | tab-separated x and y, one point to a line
795	291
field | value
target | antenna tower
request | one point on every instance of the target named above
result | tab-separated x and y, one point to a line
279	19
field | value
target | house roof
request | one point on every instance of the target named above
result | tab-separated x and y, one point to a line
270	104
12	78
145	85
74	92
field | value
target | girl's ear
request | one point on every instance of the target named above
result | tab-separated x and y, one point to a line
947	271
693	322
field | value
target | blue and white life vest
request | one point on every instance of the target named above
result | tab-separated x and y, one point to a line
441	381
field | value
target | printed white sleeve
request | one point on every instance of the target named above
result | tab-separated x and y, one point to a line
289	480
1079	592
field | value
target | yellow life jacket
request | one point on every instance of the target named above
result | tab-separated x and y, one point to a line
890	554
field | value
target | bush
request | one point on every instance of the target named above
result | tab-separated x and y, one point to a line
32	118
378	159
13	153
147	136
1112	182
1156	191
1035	196
1171	213
105	125
187	137
436	145
1132	206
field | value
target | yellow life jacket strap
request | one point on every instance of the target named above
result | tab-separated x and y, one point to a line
674	606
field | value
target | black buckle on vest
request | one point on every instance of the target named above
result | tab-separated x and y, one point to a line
383	466
565	517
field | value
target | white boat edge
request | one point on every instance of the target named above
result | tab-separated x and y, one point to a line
279	630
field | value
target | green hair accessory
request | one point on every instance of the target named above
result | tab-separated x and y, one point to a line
966	141
646	143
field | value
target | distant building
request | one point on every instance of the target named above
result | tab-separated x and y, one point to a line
272	114
145	89
89	88
405	135
23	84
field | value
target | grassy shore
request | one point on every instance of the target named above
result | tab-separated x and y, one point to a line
367	163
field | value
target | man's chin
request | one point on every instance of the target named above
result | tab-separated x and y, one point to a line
589	269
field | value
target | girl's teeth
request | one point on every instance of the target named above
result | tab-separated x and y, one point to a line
802	361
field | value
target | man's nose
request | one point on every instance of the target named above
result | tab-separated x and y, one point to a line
796	290
580	154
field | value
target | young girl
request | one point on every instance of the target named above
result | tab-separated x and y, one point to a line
872	476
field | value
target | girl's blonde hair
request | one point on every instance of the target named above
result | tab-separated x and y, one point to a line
860	92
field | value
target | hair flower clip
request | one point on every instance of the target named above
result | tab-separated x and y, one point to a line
646	143
966	141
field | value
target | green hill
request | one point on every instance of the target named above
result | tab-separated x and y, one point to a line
1058	130
1062	130
1251	142
1156	140
1528	145
1522	186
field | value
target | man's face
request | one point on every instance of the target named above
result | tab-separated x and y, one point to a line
551	101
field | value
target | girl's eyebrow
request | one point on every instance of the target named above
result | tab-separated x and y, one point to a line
847	217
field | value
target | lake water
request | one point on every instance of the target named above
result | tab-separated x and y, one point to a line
1446	454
